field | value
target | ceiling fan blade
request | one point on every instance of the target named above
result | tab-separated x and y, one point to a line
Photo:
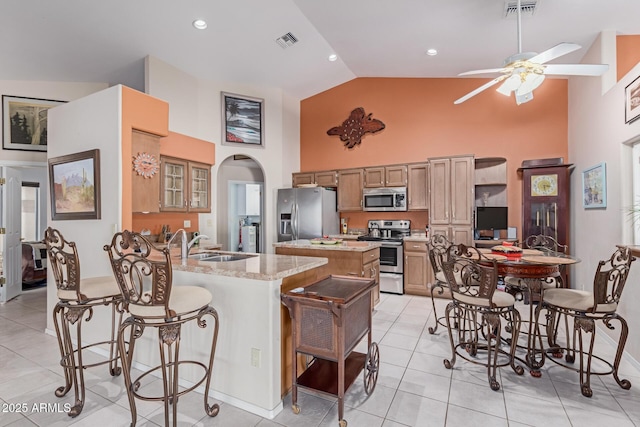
487	71
480	89
555	52
576	69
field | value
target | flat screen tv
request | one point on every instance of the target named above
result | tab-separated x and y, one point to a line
492	218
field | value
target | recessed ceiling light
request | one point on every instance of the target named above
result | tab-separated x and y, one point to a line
333	57
200	24
432	52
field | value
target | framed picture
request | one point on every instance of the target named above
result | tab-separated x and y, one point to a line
632	101
594	187
75	186
24	122
243	120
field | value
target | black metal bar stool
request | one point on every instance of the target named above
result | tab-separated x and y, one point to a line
144	274
77	299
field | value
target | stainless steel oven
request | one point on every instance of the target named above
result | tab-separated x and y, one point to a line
390	235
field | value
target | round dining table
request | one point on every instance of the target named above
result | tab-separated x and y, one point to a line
531	269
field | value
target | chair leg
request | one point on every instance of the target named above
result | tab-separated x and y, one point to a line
60	325
169	345
126	356
448	363
588	326
114	369
624	332
211	410
516	321
440	287
493	327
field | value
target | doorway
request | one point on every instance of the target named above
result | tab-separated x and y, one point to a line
241	184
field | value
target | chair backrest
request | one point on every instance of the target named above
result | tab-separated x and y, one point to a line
469	273
438	246
64	262
143	272
540	241
611	276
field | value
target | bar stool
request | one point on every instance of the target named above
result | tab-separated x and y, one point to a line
77	299
438	246
144	274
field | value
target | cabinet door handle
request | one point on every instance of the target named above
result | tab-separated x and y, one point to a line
353	274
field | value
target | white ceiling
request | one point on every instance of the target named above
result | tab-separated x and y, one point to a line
106	41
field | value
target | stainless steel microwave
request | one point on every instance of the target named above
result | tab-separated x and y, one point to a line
387	199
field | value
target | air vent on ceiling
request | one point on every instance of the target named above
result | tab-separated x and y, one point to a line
287	40
527	7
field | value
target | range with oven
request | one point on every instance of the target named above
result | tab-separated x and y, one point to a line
390	234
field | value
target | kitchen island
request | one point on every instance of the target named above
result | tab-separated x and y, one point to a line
346	258
252	366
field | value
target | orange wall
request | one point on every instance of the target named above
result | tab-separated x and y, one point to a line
627	54
422	121
145	113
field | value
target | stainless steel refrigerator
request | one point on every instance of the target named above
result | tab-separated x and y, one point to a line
306	213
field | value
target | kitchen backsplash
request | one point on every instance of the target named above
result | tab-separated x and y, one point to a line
359	220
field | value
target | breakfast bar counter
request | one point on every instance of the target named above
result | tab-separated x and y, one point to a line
252	365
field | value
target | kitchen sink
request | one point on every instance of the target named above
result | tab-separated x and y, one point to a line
223	258
218	257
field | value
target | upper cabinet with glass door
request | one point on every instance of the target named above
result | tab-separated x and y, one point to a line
185	186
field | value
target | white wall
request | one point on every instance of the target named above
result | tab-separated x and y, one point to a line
59	91
85	124
195	110
597	133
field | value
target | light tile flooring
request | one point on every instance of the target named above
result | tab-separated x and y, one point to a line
414	388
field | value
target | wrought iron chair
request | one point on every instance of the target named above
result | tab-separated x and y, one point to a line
585	308
478	308
144	274
438	246
77	298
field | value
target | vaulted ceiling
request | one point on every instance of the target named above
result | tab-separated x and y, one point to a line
106	41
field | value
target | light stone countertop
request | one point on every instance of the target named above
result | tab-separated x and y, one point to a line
259	267
416	238
346	245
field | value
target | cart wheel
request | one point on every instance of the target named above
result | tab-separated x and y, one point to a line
295	409
371	367
342	423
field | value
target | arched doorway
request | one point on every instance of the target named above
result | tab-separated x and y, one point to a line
240	185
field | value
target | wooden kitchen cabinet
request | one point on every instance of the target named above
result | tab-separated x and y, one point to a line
302	178
322	179
326	179
451	197
418	186
185	186
350	182
417	268
385	176
145	191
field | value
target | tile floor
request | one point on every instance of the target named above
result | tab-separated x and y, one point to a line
413	389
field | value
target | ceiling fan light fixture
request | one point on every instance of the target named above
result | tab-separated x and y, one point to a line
530	83
526	97
509	85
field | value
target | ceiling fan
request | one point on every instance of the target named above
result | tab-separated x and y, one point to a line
525	71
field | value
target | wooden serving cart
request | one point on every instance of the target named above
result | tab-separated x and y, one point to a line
329	318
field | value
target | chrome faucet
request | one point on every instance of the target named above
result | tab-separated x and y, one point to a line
195	240
184	246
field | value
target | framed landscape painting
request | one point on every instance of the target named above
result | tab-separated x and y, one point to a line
74	182
243	120
24	122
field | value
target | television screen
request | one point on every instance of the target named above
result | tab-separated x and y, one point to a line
492	218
